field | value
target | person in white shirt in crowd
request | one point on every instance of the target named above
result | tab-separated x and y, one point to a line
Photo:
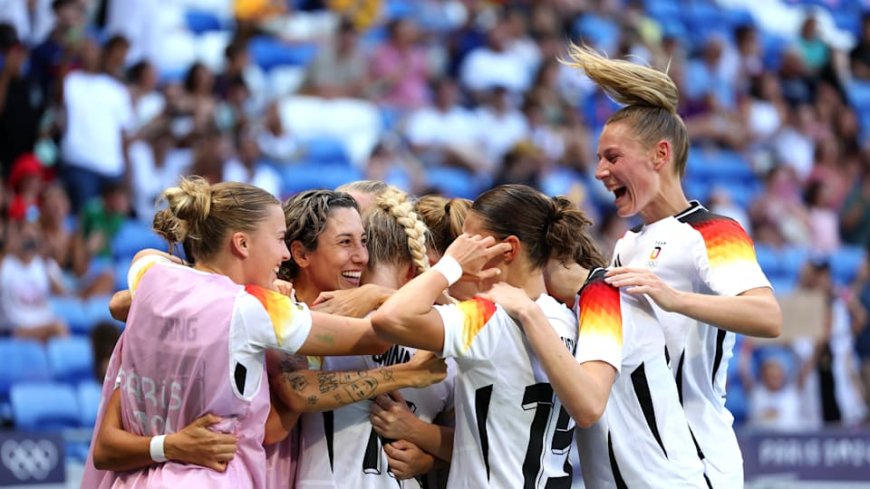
495	65
775	401
156	164
246	166
505	125
93	122
148	102
276	143
446	132
27	279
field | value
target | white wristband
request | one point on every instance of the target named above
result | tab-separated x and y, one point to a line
157	453
450	268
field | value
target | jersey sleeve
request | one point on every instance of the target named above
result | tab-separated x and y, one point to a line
725	257
599	319
141	266
273	320
468	333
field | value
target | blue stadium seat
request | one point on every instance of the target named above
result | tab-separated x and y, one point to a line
792	260
72	311
44	406
304	176
71	359
97	310
134	236
845	263
769	260
268	53
201	21
23	361
88	394
121	268
598	31
399	9
859	95
326	150
453	182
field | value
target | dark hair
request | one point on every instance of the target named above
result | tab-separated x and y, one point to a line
235	48
116	41
137	71
190	76
306	214
547	227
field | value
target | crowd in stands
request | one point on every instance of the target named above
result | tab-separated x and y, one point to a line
104	103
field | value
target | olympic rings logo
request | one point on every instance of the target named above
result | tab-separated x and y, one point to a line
29	459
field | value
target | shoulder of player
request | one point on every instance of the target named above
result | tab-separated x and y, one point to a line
702	219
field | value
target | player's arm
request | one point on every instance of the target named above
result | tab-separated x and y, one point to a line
313	391
584	387
119	450
120	304
408	318
754	312
337	335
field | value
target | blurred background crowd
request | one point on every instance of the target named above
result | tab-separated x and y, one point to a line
103	103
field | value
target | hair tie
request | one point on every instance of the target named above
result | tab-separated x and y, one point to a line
447	207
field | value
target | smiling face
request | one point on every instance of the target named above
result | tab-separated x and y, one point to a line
267	249
627	168
341	254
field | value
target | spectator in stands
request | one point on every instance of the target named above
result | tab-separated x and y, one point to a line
722	204
798	86
709	76
246	166
21	102
4	221
340	68
26	282
859	307
446	133
495	65
764	113
774	402
860	54
101	219
750	63
823	219
237	64
400	69
780	209
815	52
855	215
237	110
210	151
148	103
193	108
276	143
795	145
525	164
96	122
62	50
156	164
505	125
26	181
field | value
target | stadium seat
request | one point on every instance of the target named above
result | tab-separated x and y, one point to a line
769	259
845	264
88	394
326	150
600	32
71	310
23	361
71	359
199	21
453	182
97	310
44	406
132	237
268	53
859	95
305	176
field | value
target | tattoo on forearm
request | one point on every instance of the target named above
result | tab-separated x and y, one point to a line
387	374
362	390
312	400
327	382
297	382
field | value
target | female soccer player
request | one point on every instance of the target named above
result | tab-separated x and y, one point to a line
698	269
511	431
170	372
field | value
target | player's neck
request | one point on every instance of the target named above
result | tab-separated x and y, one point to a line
528	279
305	290
669	201
389	276
221	266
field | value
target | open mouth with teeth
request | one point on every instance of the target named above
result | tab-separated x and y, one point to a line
352	276
620	192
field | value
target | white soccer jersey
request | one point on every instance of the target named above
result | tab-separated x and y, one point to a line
511	430
698	251
641	440
340	449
